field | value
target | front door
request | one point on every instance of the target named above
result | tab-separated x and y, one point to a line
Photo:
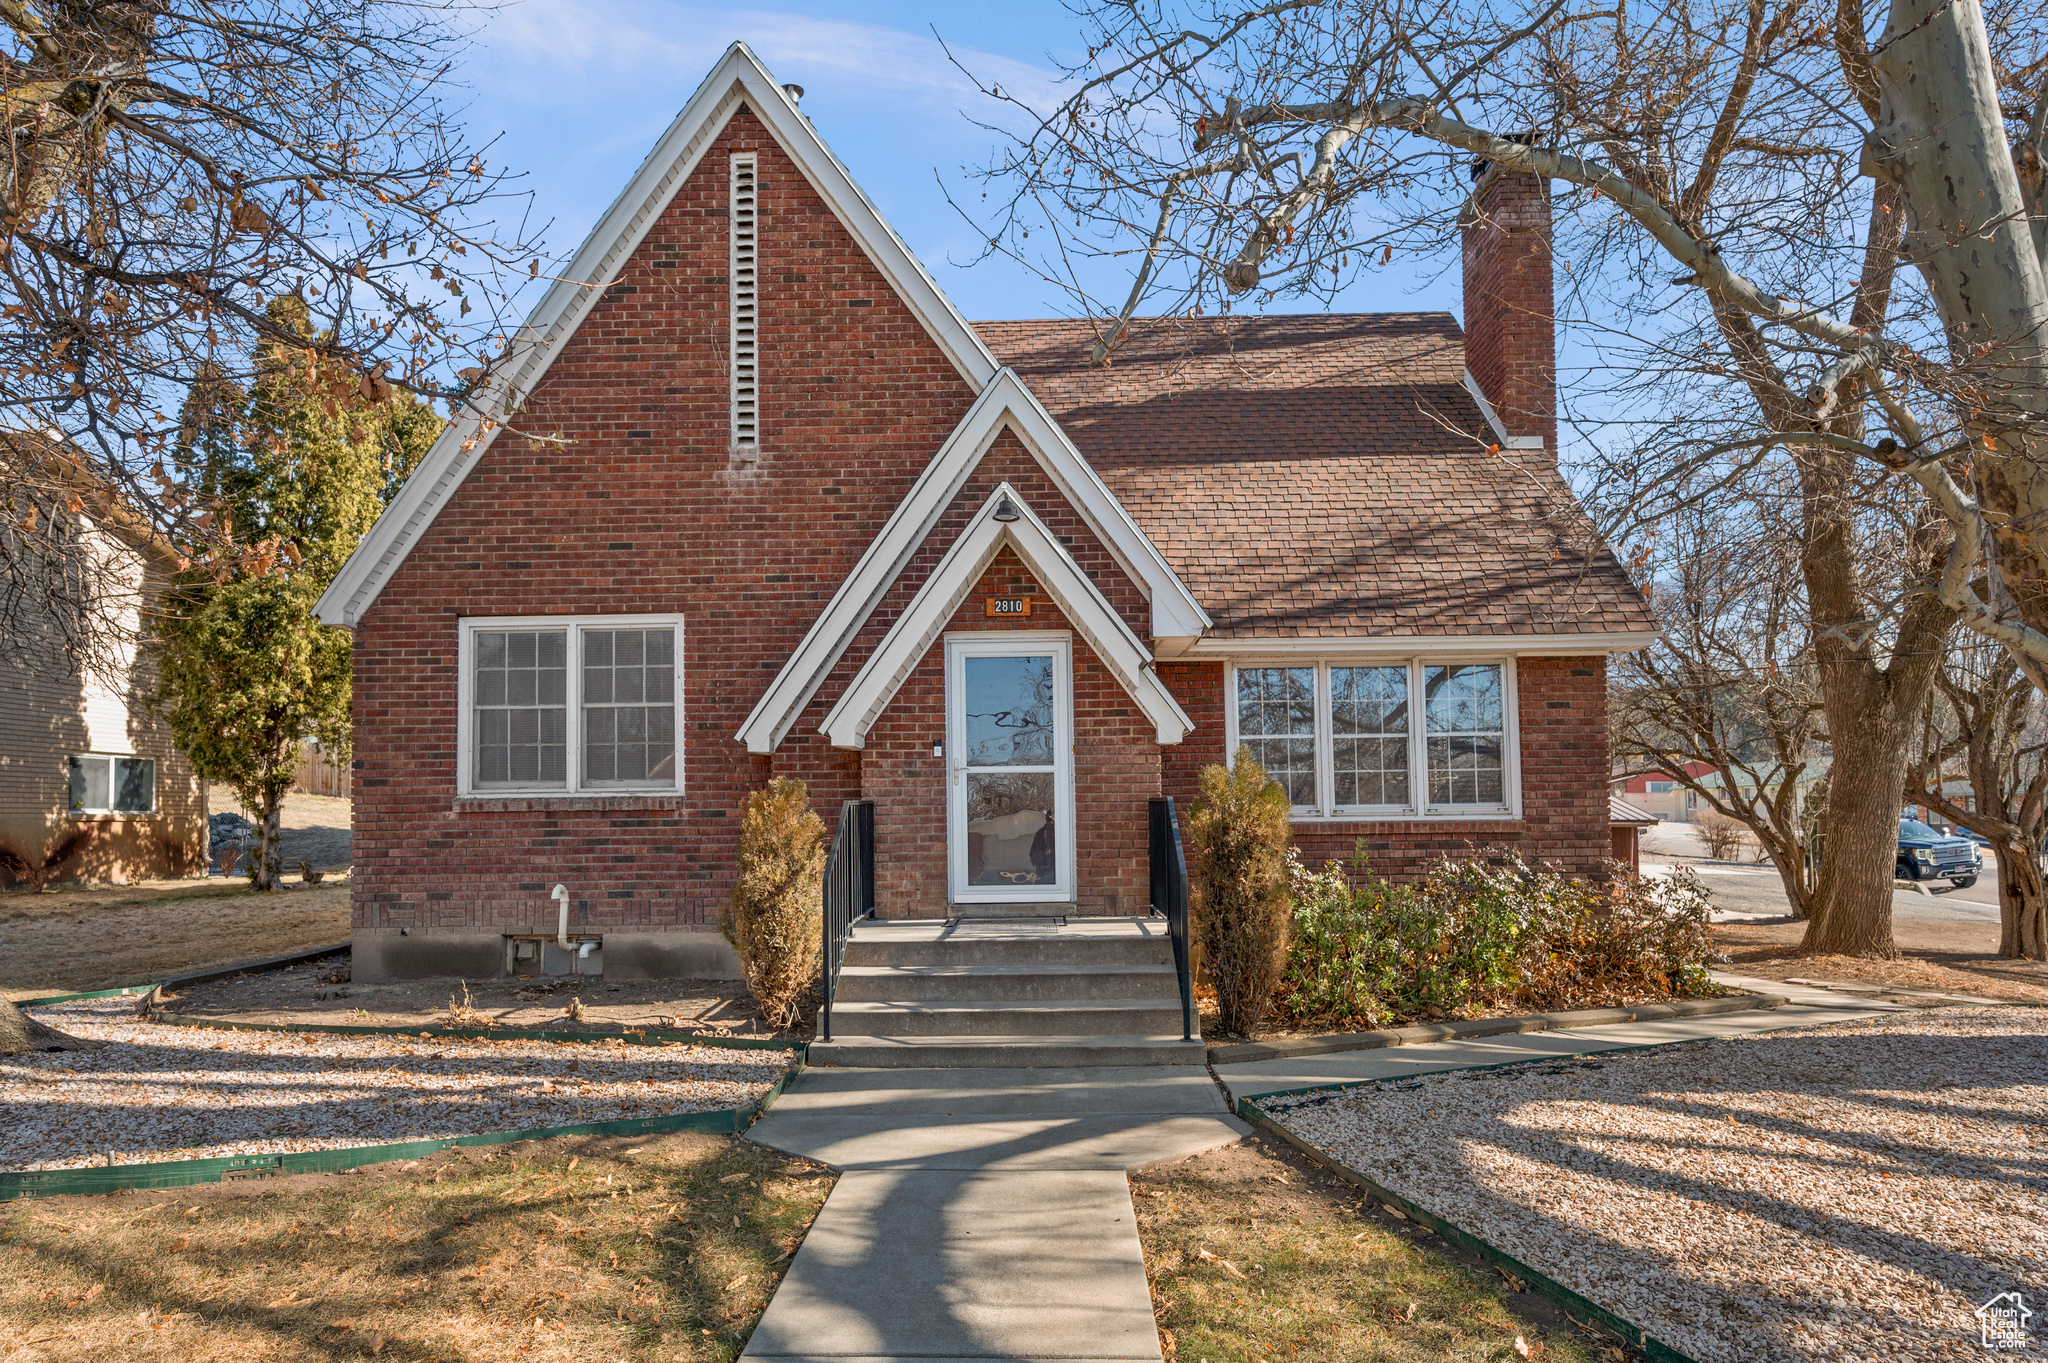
1010	751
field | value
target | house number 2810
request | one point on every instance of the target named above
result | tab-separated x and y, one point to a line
1006	605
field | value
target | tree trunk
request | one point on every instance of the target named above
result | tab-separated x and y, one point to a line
264	871
1942	138
21	1034
1852	911
2022	904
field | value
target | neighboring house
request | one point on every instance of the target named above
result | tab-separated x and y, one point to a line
1661	794
768	505
92	787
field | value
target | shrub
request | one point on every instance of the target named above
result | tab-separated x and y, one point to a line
1723	836
775	915
1238	890
1470	935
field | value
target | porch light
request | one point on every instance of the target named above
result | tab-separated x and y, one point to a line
1006	510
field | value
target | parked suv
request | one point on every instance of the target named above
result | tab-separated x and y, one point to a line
1925	854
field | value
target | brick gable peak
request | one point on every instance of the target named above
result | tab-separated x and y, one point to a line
1007	403
1005	520
738	79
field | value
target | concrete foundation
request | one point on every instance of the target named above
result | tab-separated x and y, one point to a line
393	954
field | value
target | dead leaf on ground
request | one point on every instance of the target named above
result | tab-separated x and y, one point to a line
1228	1267
734	1178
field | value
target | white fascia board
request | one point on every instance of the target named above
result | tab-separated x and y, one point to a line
1500	432
1433	645
738	76
1006	401
905	530
925	619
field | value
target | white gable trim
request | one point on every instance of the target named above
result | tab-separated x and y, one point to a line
920	625
1006	402
739	76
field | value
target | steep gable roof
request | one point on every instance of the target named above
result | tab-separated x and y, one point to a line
1329	476
738	78
1005	404
918	628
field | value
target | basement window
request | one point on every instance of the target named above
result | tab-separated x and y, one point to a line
105	784
564	705
1378	739
745	276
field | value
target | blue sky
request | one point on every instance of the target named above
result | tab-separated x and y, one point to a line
578	90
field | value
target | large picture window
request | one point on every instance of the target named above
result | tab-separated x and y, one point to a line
559	705
1415	737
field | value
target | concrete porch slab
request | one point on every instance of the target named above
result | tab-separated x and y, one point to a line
1149	1090
1016	1144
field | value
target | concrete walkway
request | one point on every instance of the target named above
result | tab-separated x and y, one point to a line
1809	1007
980	1214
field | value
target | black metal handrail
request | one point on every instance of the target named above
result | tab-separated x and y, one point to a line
1170	899
849	894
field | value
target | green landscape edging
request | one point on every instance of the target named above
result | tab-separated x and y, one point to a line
636	1037
1575	1306
186	1173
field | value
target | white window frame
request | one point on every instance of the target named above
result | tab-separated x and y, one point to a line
1325	809
575	625
1005	644
110	758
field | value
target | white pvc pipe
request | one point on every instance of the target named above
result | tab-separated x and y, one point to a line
561	894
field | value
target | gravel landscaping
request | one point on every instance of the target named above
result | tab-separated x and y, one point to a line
1843	1193
157	1092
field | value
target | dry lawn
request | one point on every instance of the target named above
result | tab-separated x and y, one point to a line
609	1250
83	937
1945	958
1299	1272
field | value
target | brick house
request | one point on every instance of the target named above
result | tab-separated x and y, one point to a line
768	505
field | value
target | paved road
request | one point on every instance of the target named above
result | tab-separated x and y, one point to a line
1756	891
1745	890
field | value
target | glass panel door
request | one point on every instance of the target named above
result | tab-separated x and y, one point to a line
1010	801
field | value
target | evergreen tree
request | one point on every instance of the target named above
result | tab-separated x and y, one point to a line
295	473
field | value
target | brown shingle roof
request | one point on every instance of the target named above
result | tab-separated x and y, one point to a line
1318	475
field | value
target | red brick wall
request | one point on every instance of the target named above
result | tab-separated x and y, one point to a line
1562	708
1510	307
1116	769
642	510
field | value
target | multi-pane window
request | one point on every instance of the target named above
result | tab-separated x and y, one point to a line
1276	720
629	705
522	707
1346	739
102	784
1467	734
575	705
1369	735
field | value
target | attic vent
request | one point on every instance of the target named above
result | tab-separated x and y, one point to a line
746	430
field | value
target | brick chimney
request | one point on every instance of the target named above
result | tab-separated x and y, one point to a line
1510	309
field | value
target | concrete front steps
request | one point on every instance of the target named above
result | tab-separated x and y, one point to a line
1014	992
